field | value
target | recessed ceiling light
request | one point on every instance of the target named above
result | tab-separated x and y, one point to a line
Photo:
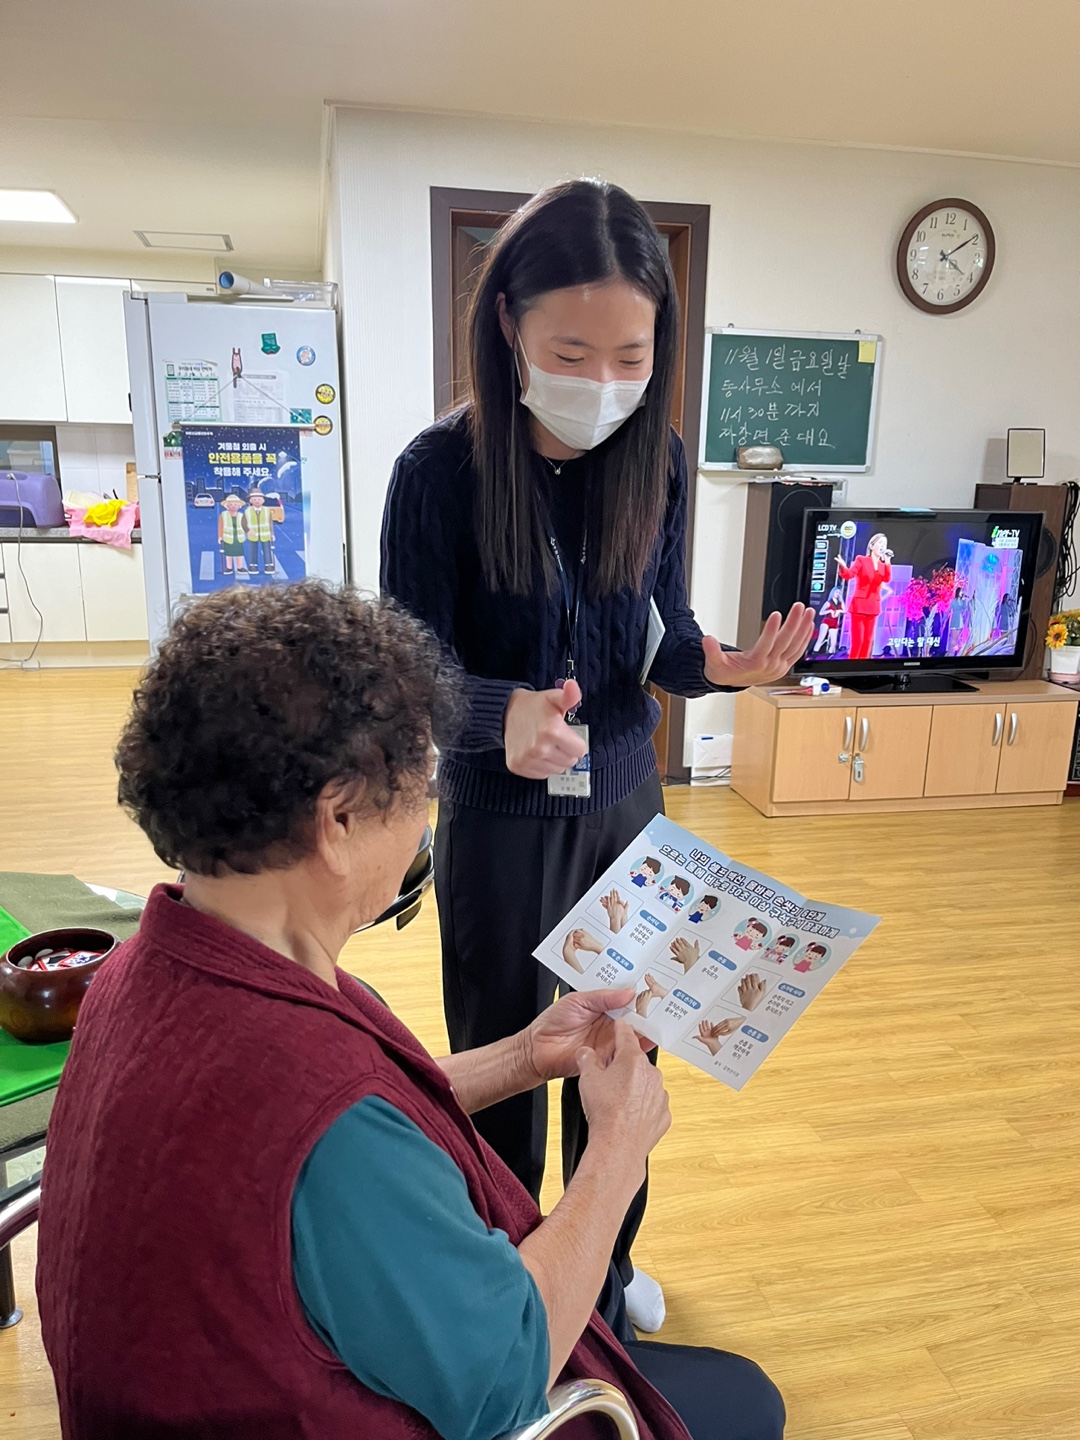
39	207
214	241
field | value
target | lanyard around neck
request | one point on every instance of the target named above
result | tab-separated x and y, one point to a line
571	602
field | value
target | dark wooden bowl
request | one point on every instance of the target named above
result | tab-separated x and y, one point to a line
41	1006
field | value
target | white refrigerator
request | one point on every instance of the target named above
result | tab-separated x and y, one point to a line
236	409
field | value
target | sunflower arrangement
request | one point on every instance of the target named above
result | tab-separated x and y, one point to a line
1064	629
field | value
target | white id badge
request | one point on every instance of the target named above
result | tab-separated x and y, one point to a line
656	632
577	780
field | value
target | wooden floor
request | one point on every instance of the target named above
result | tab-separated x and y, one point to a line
888	1218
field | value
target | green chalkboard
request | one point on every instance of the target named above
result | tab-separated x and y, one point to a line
814	396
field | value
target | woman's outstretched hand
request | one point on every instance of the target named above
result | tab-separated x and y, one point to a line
780	644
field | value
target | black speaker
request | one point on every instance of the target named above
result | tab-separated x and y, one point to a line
772	549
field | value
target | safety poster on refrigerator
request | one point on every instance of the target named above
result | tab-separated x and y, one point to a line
248	415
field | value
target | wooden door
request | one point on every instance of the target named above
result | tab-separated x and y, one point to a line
809	746
965	746
1037	748
463	223
892	742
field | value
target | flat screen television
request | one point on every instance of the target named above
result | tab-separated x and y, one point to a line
909	599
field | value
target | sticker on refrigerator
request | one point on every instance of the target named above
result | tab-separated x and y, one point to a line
306	355
192	390
244	506
323	425
325	394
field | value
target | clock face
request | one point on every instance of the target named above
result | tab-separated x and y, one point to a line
945	256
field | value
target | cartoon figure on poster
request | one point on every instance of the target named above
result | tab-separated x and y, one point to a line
813	957
781	949
752	934
231	535
646	871
675	892
245	505
259	522
704	910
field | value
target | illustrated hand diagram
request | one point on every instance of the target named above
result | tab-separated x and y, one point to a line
653	991
712	1032
618	911
685	953
751	991
570	946
580	940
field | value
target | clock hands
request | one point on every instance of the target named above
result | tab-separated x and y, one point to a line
953	251
948	260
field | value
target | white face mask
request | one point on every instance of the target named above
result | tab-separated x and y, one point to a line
581	413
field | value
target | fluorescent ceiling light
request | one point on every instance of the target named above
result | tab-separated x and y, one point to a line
214	241
40	207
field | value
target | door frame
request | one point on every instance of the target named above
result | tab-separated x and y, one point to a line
451	205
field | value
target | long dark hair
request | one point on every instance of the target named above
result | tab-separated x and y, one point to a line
579	233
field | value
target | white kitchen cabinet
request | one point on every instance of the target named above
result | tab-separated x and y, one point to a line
31	371
114	600
49	572
93	350
5	623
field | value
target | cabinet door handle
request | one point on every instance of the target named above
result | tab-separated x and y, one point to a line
849	731
1014	726
999	725
864	732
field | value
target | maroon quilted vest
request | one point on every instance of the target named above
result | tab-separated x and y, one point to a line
203	1070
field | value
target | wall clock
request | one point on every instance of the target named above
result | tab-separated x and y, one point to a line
945	256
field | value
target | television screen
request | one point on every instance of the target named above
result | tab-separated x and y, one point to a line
904	589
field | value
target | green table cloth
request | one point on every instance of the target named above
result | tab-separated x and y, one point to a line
29	903
29	1069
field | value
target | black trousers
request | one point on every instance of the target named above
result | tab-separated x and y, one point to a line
503	882
718	1395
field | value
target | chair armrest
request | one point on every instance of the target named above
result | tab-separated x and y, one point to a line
18	1214
578	1397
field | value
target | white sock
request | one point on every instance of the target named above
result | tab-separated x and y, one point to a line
645	1303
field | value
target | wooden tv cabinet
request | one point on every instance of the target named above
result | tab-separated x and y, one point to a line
1007	743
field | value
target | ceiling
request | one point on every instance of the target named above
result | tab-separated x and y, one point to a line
208	114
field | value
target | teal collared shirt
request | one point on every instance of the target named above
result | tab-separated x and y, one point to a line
404	1282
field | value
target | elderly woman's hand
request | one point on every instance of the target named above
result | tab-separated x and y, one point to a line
579	1019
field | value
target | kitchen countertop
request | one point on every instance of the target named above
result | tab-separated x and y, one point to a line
36	533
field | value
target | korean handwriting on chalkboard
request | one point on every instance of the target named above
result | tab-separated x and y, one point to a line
790	358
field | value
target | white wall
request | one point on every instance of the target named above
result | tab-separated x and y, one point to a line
820	257
94	457
182	265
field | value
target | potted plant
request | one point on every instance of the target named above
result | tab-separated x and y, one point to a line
1063	642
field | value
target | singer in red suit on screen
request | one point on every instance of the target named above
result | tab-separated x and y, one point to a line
869	572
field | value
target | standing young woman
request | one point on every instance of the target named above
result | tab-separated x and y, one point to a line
531	530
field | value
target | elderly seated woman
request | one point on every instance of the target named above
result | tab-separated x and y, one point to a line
266	1212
